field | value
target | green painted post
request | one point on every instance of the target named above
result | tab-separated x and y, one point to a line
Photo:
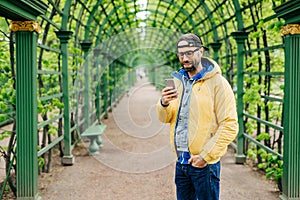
117	83
105	93
26	108
291	160
152	75
85	46
111	85
240	37
291	152
64	37
26	91
130	78
116	88
130	84
155	76
97	101
133	76
216	47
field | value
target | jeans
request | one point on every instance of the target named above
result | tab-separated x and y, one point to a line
197	183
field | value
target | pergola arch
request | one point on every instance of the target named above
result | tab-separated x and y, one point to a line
93	12
93	43
138	55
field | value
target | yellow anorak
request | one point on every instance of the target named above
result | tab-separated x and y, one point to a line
212	122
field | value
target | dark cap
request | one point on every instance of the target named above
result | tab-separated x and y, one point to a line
192	39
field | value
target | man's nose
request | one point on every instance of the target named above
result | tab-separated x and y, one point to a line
185	57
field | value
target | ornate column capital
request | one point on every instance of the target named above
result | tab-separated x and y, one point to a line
290	29
31	26
64	36
216	46
240	36
86	45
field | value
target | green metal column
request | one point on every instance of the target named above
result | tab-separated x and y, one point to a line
85	46
150	74
98	86
240	37
26	108
133	76
111	85
130	82
64	37
216	47
105	92
116	88
155	70
291	153
118	83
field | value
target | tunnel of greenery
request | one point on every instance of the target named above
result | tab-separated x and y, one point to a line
65	63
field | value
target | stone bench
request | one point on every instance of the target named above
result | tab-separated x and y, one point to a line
94	134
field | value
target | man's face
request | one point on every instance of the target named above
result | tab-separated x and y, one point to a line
189	57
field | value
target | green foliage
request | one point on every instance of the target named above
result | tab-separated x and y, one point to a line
5	134
251	127
272	165
263	33
3	106
41	162
3	117
53	130
256	34
276	110
252	153
7	92
263	136
253	94
276	26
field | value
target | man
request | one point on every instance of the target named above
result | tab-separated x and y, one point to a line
202	114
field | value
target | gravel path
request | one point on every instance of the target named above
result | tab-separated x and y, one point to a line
136	162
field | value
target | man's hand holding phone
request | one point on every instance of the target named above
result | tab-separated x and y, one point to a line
169	92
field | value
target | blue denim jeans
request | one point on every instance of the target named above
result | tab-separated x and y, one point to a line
197	183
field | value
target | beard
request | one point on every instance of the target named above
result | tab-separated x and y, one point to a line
188	69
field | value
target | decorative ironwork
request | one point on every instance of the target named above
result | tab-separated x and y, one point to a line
25	26
290	29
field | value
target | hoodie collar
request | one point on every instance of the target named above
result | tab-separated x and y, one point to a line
207	67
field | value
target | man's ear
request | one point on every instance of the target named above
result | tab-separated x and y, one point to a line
201	50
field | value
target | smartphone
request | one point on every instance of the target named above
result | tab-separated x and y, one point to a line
170	83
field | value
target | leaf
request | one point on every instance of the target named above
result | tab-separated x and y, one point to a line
41	162
269	174
271	26
281	87
263	136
